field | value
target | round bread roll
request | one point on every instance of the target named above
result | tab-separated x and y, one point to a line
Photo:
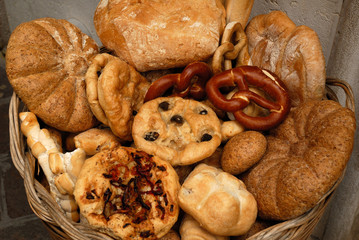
46	63
242	151
217	200
161	34
190	229
128	194
306	155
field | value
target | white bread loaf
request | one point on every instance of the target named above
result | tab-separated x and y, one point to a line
160	34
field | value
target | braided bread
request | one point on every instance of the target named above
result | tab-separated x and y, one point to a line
61	170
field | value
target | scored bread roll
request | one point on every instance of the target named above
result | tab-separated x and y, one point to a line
46	62
218	200
306	154
293	53
162	34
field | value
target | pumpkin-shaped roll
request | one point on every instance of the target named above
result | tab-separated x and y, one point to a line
46	63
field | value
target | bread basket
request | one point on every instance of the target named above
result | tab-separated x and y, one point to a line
60	227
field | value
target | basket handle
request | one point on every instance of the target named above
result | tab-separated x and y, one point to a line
349	94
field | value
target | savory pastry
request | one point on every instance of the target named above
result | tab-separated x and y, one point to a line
162	34
306	155
128	194
46	63
294	53
242	151
190	229
181	131
217	200
115	91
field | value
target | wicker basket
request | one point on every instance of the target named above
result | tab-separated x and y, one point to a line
60	227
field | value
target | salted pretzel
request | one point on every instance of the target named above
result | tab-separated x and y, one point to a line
234	47
242	77
184	84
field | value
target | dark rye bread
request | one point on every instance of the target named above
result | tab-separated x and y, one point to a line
306	155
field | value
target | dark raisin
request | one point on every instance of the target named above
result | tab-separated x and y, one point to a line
126	225
145	234
151	136
164	106
206	137
107	175
203	112
89	196
162	168
177	119
134	112
98	73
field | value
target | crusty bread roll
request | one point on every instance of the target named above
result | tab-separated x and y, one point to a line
95	140
160	34
242	151
128	194
190	229
293	53
306	155
219	201
46	62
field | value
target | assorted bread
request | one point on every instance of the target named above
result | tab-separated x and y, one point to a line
153	154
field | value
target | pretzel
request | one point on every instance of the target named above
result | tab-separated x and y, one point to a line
242	76
234	47
184	83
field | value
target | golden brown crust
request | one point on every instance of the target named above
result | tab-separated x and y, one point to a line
242	151
152	35
219	201
190	229
95	140
293	53
116	93
46	62
306	155
128	194
181	131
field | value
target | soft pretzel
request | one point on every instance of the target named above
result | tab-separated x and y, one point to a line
115	91
183	83
242	77
61	170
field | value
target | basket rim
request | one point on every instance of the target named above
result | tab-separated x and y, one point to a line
45	207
